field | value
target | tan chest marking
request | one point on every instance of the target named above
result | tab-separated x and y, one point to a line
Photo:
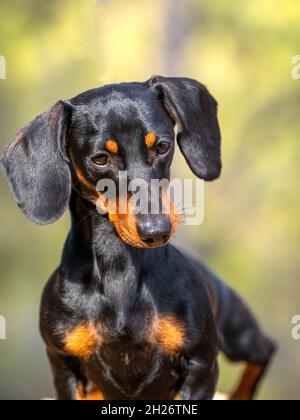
169	334
82	341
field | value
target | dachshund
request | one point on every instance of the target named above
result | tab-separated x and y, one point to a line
128	316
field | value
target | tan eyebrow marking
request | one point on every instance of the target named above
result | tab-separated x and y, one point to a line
150	140
112	146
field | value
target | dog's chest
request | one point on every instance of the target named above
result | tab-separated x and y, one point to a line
123	336
126	349
124	345
147	351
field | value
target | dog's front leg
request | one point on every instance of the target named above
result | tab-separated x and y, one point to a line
69	384
200	381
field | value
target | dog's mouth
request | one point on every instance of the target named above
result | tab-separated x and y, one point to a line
129	232
126	229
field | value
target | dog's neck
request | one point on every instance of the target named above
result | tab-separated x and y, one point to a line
96	256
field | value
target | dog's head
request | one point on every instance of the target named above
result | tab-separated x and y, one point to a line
103	132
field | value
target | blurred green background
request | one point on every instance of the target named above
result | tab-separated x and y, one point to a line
251	235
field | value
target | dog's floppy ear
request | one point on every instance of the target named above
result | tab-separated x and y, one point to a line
37	167
194	110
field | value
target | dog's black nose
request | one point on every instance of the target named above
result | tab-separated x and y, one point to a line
155	231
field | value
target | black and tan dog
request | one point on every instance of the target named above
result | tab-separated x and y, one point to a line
126	314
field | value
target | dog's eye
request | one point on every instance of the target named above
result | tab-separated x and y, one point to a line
100	160
163	147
